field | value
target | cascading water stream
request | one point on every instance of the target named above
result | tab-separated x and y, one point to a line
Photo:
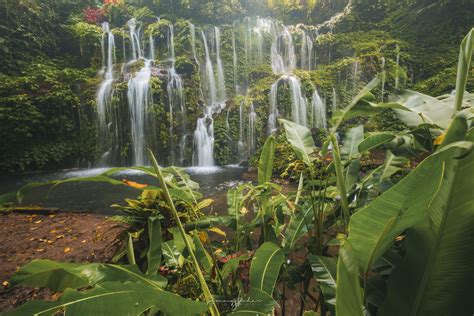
306	52
355	79
273	110
105	90
135	39
318	111
334	100
241	144
215	102
221	94
235	62
283	53
382	92
252	138
175	92
138	99
397	79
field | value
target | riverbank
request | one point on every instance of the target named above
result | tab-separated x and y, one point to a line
67	237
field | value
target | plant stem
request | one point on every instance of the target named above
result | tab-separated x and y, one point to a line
340	180
207	293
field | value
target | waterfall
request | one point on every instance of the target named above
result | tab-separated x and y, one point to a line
105	90
355	79
334	100
138	99
283	53
204	142
221	94
252	138
152	46
298	102
235	62
397	79
209	75
273	110
175	96
176	103
135	39
306	52
171	54
193	43
382	92
248	40
241	143
214	102
259	39
318	111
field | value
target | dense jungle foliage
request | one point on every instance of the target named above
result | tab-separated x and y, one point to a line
370	212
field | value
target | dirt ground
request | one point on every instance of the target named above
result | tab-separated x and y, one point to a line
59	236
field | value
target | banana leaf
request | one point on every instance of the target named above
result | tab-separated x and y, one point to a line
265	267
373	229
113	298
435	277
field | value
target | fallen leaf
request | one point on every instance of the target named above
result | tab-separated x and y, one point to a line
37	222
202	237
244	210
400	238
55	296
67	249
5	283
218	231
134	184
40	250
439	140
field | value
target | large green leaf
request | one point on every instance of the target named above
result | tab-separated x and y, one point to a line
464	67
435	277
423	109
112	298
375	140
256	302
350	152
391	166
363	97
60	275
153	253
202	255
265	267
234	201
265	164
348	291
373	229
325	272
350	145
232	265
301	140
298	226
208	222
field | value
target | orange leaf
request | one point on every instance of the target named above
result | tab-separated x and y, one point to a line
218	231
134	184
67	249
439	140
203	237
